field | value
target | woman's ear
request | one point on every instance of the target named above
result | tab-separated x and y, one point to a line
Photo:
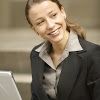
63	12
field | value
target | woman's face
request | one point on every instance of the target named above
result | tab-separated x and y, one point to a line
48	21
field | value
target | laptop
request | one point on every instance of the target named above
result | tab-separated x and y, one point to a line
8	88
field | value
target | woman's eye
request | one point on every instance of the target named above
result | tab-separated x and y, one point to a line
39	23
54	15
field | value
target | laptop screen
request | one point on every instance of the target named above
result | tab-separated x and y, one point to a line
8	88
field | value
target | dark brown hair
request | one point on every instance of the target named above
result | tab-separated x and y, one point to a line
70	25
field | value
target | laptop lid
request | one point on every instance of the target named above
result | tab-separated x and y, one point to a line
8	88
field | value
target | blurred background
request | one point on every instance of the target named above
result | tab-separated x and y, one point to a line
17	39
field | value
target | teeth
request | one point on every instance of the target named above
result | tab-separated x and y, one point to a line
54	33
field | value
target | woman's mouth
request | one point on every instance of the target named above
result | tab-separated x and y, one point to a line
54	33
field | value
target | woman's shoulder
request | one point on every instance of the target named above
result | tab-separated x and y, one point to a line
89	46
37	46
33	51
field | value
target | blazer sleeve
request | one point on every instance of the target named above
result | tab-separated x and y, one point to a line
93	80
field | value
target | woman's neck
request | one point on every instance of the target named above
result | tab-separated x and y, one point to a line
59	47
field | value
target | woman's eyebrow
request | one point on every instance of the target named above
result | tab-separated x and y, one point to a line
50	12
41	17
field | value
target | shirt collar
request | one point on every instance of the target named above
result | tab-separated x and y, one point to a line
73	42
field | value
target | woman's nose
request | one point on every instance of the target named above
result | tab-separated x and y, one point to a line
50	24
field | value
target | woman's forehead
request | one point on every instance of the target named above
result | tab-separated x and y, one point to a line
44	7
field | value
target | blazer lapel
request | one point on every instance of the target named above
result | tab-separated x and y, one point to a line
38	76
70	70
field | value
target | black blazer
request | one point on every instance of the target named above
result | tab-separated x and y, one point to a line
80	75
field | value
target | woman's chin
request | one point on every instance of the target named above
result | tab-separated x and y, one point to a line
56	40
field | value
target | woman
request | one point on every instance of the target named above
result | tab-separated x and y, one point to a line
65	66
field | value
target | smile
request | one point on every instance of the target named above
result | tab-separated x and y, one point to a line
55	32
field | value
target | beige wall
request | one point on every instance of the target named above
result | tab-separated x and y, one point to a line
85	12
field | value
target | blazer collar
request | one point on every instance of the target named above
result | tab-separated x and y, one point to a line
83	45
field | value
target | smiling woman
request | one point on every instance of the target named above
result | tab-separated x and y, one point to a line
50	24
64	65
